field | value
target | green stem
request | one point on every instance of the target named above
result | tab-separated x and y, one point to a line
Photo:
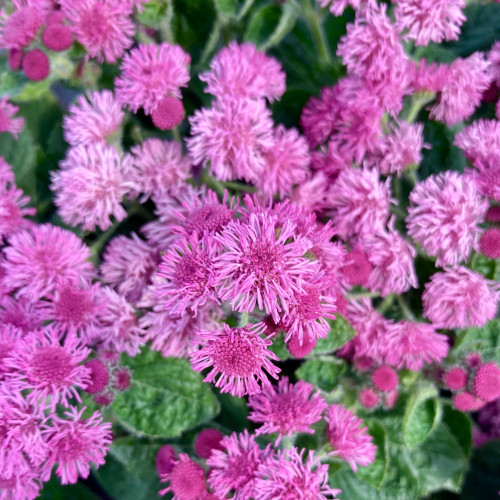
213	183
418	101
316	31
98	245
238	186
404	307
287	442
387	302
244	320
362	295
177	134
395	209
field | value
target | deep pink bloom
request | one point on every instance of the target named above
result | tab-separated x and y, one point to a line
444	216
313	192
489	243
287	477
430	20
493	214
348	437
94	117
91	184
460	298
127	265
300	348
122	379
480	141
287	408
462	91
75	443
99	376
103	28
368	398
356	268
385	379
455	378
231	137
392	258
36	65
329	160
168	113
409	345
188	269
7	121
20	28
359	202
234	468
287	162
39	258
48	368
57	37
238	358
240	70
21	313
486	177
487	382
259	268
206	441
337	7
165	459
494	58
318	116
151	72
187	479
158	166
465	401
13	209
9	336
429	77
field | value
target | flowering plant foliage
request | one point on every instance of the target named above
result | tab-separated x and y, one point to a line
249	249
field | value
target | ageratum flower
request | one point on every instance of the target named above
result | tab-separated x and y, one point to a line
7	121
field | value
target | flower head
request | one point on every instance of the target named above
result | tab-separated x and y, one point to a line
165	459
455	378
150	72
20	28
99	376
187	479
206	441
444	217
168	113
356	268
7	121
368	398
487	382
385	379
13	209
238	358
57	37
460	298
348	437
287	408
490	243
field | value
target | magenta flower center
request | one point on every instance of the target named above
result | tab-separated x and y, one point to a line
73	306
236	357
211	218
286	409
70	448
309	305
51	364
264	261
193	270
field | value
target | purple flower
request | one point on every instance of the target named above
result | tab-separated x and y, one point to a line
20	28
337	7
7	121
480	141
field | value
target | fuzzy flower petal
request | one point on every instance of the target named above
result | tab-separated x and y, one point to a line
8	123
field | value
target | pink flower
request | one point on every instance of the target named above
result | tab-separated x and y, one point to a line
49	369
13	209
158	166
460	298
287	477
356	268
128	264
287	408
103	28
444	216
430	20
57	37
487	382
348	437
239	358
329	160
234	468
231	137
465	401
94	117
7	121
480	141
487	177
206	441
337	7
240	70
151	72
287	163
9	336
23	484
463	89
75	443
91	184
187	479
38	259
190	275
368	398
20	28
318	116
455	378
21	313
385	379
168	113
490	243
36	65
409	345
359	202
429	77
258	268
313	192
7	179
165	459
392	259
99	376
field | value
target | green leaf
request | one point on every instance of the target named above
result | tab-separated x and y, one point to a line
54	490
167	397
279	348
226	7
234	412
322	372
153	13
129	472
340	332
423	413
482	478
485	340
460	426
262	24
374	473
489	268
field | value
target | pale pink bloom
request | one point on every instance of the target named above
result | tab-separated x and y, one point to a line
287	408
231	137
286	476
460	298
94	117
329	160
9	123
287	163
486	177
21	313
48	368
480	141
348	437
240	70
9	336
188	269
7	178
392	258
19	29
494	58
127	265
158	166
39	258
13	209
313	192
410	345
234	468
318	116
238	357
429	77
104	28
151	72
258	268
91	184
444	216
186	478
20	485
359	202
74	443
337	7
462	91
430	20
120	329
